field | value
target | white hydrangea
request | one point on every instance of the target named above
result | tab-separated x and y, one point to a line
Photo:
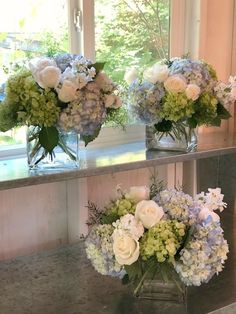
131	225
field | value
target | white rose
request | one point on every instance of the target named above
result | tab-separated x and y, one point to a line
205	213
157	73
125	248
193	91
49	77
138	193
175	84
38	64
67	92
131	75
149	213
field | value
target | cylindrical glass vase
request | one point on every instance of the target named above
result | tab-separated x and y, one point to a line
63	156
183	139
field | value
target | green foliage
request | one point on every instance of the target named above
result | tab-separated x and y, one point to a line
117	117
48	138
89	138
163	126
136	33
206	110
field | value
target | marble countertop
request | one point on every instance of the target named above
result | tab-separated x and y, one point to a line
14	173
63	281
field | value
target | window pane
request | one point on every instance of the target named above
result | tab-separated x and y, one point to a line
29	28
131	33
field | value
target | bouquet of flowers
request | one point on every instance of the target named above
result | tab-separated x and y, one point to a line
145	232
179	93
62	93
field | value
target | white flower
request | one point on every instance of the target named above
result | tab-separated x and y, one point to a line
192	91
104	82
38	64
81	80
131	225
67	92
214	199
131	75
205	213
232	81
125	248
175	84
138	193
157	73
109	100
149	213
48	77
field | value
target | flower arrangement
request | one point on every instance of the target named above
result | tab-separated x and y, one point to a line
145	232
65	92
179	93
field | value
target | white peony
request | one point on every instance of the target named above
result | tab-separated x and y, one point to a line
67	92
205	213
138	193
49	77
175	84
193	91
149	213
131	75
157	73
125	248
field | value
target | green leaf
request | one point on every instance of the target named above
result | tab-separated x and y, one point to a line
89	138
134	271
99	66
222	113
48	138
125	279
163	126
216	122
192	122
109	219
186	239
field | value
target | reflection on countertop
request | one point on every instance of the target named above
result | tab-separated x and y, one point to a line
14	172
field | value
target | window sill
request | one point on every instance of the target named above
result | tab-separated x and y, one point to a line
94	162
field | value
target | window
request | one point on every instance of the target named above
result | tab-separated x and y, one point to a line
123	33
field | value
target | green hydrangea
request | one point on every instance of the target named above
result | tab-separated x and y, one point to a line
35	106
163	240
176	106
122	207
8	116
206	109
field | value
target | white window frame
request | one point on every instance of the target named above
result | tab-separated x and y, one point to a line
83	41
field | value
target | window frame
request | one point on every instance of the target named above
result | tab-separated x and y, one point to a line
82	41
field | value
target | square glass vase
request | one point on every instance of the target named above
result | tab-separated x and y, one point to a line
182	139
64	156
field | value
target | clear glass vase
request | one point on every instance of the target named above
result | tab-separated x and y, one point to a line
160	290
63	156
180	138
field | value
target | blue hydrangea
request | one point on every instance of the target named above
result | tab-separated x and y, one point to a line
204	255
99	249
178	205
195	72
145	101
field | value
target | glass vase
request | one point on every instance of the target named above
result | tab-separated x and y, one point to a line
160	290
180	138
63	156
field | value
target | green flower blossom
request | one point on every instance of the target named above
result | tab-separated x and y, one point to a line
206	109
176	106
163	240
122	207
34	105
